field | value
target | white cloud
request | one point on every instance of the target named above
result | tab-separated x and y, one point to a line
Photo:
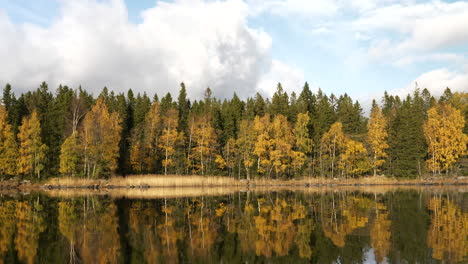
291	78
436	81
305	8
92	43
414	28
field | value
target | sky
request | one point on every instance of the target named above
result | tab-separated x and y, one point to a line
359	47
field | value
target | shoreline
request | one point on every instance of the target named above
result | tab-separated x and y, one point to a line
178	181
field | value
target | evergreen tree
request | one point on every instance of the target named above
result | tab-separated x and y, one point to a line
183	106
406	139
279	102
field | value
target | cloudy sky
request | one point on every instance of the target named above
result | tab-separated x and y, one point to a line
361	47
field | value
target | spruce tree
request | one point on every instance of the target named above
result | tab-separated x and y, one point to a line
183	106
279	102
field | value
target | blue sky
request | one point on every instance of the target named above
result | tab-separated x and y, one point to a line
361	47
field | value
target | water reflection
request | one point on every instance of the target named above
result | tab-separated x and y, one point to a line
346	227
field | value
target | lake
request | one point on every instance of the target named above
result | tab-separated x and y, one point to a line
390	225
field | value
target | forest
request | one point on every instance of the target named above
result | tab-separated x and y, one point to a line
73	133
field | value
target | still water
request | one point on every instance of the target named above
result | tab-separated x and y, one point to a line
410	226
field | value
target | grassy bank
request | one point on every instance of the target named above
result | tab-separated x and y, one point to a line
195	181
150	181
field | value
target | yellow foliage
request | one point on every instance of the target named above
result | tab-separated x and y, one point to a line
444	134
342	221
8	146
332	144
204	139
377	138
70	154
30	224
276	231
354	159
169	137
7	225
448	232
380	233
101	137
282	144
31	152
263	143
246	141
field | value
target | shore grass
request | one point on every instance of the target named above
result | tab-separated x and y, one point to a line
150	181
196	181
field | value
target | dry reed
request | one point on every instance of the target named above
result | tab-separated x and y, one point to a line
216	181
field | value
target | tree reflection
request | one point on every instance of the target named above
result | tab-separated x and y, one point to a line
380	233
7	226
91	229
30	224
143	233
342	219
448	232
287	227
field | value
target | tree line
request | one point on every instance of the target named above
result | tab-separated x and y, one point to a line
69	132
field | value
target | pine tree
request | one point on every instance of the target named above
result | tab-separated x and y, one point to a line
406	139
144	141
279	102
377	137
32	151
183	106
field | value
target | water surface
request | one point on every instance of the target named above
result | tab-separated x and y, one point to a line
340	226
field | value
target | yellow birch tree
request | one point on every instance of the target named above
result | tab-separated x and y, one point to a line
246	141
444	134
282	143
8	146
204	139
303	141
354	158
101	137
70	155
31	151
263	143
377	138
332	145
168	139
